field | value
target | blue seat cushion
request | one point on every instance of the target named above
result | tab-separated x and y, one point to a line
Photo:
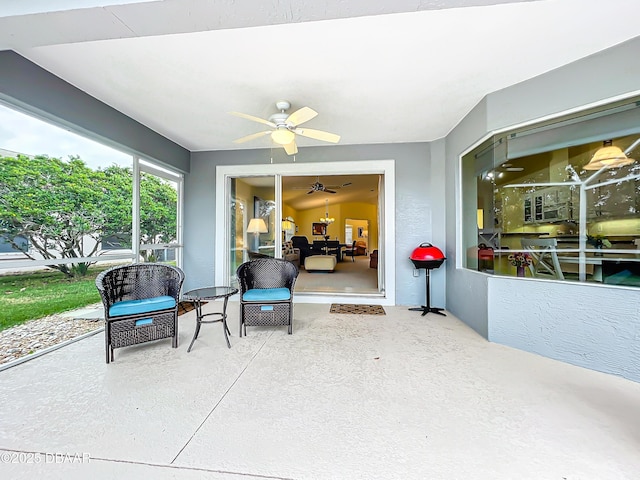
266	295
133	307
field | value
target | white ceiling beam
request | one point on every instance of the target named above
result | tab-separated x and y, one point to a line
33	24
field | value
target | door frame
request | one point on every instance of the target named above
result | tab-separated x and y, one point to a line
386	228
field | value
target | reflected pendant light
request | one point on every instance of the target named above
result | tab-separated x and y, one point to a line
609	156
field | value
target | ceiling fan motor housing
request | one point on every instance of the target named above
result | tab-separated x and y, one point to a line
279	119
283	105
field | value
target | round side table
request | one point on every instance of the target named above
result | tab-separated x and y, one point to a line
200	295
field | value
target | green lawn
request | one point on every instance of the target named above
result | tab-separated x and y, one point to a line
34	295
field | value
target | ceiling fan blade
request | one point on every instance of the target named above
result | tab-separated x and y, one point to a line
252	136
300	116
254	119
310	192
317	134
291	148
328	191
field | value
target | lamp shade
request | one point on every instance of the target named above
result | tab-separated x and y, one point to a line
257	225
608	156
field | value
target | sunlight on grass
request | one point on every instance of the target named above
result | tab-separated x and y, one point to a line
34	295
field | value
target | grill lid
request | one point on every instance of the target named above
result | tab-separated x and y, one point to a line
427	256
426	251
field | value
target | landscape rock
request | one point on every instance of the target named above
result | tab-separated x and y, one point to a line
34	335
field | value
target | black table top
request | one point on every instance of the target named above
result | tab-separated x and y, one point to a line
209	293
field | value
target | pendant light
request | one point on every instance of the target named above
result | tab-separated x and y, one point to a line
609	156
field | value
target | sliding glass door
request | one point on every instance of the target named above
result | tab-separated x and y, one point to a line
253	200
251	212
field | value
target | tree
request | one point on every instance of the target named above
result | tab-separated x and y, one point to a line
65	208
158	211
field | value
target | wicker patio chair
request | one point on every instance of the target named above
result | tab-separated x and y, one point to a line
266	292
140	304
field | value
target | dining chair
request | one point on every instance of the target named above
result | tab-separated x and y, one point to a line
350	251
544	258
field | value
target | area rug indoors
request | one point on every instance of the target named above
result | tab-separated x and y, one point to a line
357	309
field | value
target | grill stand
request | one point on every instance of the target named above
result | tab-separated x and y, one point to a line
428	308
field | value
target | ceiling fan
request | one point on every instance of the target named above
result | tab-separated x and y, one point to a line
285	127
319	187
500	171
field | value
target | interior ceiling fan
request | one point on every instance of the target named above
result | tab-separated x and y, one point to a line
319	187
501	170
285	127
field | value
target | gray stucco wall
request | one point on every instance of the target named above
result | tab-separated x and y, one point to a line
601	76
591	326
419	190
34	90
466	290
578	324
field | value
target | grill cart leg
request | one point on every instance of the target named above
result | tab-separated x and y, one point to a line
428	308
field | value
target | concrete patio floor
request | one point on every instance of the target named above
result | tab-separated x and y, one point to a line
399	396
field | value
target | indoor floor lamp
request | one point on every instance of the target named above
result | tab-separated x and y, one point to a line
256	226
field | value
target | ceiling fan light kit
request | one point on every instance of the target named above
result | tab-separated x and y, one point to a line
285	127
283	136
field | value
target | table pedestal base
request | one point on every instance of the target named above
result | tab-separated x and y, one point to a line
200	321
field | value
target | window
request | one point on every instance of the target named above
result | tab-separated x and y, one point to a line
159	219
116	241
68	198
14	245
541	182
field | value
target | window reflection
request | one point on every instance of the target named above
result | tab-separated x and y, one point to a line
540	185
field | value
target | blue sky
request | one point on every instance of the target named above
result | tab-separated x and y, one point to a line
25	134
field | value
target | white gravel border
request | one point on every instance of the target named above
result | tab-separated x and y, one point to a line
39	353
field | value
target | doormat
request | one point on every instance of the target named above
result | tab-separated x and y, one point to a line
184	307
357	309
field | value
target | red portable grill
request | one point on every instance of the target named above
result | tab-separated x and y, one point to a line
485	258
428	257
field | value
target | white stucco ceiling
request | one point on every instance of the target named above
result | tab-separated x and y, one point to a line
377	72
